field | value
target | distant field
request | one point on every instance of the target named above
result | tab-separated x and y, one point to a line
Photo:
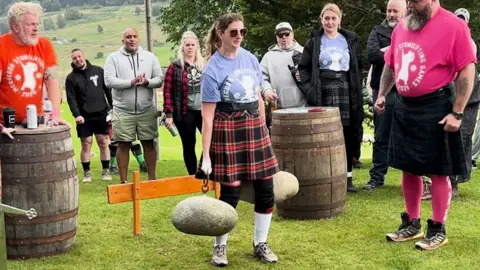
114	21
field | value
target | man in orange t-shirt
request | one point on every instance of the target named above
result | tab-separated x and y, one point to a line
27	62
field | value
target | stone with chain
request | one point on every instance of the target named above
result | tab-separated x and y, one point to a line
203	215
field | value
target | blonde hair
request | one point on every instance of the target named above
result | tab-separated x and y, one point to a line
212	41
333	8
17	10
199	61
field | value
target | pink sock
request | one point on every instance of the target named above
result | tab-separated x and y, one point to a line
412	187
441	196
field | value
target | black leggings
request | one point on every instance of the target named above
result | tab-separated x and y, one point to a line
351	146
187	129
264	197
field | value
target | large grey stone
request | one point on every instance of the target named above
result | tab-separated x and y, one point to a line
285	186
202	215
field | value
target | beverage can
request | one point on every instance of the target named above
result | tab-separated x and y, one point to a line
32	119
9	117
47	106
173	130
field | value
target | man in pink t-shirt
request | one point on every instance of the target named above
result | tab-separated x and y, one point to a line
432	63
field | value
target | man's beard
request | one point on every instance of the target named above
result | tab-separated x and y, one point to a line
416	20
27	40
392	23
286	46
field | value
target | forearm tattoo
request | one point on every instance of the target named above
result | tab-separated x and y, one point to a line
387	81
50	73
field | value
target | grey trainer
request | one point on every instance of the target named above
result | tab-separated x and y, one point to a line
264	253
219	256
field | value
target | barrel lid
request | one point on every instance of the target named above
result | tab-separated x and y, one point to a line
306	112
41	130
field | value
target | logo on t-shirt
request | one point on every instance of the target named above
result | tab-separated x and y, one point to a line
241	86
410	66
25	74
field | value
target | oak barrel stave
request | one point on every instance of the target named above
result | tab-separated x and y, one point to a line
39	171
311	146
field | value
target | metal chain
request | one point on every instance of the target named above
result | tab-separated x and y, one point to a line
205	184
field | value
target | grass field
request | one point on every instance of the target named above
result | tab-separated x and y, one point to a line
353	240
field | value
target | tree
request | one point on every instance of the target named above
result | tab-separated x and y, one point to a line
4	28
48	24
137	10
100	29
61	22
51	5
72	14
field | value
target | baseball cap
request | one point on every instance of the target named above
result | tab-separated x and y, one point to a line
283	26
463	14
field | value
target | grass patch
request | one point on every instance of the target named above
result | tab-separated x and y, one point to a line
353	240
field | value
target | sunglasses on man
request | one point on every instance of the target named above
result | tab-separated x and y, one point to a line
235	32
282	35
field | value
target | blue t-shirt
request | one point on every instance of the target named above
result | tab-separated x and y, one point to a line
334	54
237	80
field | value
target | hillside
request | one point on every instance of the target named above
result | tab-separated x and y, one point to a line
83	34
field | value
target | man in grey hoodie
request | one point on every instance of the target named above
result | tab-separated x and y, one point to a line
279	67
133	74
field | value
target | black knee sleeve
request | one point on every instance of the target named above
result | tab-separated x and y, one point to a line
230	195
113	150
136	149
264	197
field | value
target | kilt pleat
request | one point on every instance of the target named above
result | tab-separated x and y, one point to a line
241	148
418	144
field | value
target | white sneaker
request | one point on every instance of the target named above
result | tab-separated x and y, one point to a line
106	175
87	177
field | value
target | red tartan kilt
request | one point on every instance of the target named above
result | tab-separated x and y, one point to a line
240	148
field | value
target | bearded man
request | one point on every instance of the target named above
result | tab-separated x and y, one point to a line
27	62
427	66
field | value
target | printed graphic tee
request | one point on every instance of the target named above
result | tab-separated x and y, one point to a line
237	80
193	84
22	74
426	60
334	54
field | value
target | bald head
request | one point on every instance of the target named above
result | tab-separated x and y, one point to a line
396	9
130	40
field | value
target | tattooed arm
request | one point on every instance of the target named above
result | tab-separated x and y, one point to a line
387	81
463	87
54	93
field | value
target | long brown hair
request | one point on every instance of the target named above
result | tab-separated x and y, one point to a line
212	41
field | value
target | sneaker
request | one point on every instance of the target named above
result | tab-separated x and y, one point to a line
427	190
106	175
264	253
219	256
87	177
372	185
357	164
436	236
474	164
350	186
408	230
113	170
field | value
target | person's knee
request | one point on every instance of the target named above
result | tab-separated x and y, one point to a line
102	142
230	195
148	145
264	196
86	143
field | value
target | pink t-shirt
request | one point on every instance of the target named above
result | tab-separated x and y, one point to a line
426	60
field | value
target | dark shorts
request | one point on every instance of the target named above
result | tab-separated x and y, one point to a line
97	126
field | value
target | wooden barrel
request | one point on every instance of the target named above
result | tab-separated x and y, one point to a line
310	144
39	171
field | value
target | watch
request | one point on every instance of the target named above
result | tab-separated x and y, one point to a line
459	116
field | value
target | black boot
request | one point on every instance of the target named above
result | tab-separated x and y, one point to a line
350	186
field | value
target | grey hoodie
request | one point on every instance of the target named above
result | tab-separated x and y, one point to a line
277	75
121	68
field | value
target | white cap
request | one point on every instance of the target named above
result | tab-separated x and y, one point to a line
464	13
283	26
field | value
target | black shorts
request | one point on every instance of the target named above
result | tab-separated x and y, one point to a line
97	126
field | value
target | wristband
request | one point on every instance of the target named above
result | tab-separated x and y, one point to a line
56	113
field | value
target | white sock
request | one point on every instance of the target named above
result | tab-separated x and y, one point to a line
262	225
349	174
220	240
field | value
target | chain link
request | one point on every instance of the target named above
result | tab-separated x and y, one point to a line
205	184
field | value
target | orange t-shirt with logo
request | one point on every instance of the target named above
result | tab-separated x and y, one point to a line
22	74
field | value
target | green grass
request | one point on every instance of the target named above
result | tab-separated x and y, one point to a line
353	240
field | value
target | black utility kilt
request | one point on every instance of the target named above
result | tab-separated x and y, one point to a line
241	148
418	143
